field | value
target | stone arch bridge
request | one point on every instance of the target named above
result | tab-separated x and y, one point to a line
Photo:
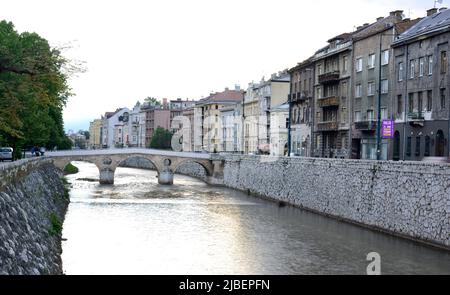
165	162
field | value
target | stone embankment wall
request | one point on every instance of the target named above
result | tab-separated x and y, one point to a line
33	202
189	169
407	199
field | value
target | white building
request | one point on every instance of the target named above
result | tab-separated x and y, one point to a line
116	128
279	117
137	127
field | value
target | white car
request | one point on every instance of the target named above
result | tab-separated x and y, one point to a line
6	153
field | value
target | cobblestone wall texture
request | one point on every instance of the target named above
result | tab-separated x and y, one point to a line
32	194
409	199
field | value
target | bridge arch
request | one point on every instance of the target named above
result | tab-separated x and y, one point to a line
206	165
149	162
61	163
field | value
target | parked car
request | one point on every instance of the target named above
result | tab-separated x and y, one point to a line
6	153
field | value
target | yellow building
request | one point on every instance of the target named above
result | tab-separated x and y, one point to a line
260	99
207	110
95	131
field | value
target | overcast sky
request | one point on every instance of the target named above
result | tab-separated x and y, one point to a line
185	48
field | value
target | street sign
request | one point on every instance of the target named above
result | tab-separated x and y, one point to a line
387	129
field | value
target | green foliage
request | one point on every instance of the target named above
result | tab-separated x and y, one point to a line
56	225
161	139
70	169
33	90
153	101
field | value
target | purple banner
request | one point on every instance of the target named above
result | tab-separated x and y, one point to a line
387	129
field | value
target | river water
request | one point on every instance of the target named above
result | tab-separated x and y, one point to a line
139	227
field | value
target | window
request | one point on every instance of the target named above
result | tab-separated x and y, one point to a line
411	102
358	92
385	57
442	98
408	146
357	116
344	115
319	93
384	86
359	65
399	104
370	115
444	62
400	71
412	69
430	65
421	66
371	61
418	140
429	100
420	102
319	69
427	146
384	113
345	63
344	89
371	88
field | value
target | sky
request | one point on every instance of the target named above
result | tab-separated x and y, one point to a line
185	48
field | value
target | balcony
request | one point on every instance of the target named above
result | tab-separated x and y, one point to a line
416	119
332	101
327	126
366	125
418	116
328	78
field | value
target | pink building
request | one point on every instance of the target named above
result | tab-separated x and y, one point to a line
155	116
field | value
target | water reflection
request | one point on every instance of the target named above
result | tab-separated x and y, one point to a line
140	227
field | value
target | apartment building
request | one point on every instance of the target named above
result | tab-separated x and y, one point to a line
372	85
421	88
207	110
95	134
332	73
302	108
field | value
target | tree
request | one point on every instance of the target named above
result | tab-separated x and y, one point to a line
152	101
161	139
33	90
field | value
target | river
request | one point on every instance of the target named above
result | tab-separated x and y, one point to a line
139	227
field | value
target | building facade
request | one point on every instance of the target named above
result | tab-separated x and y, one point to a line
95	134
259	99
115	131
279	120
371	82
155	116
231	119
332	73
209	136
301	108
421	89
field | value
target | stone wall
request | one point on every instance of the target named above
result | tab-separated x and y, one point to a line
189	168
409	199
33	201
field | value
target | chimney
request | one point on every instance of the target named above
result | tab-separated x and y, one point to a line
379	18
226	89
164	102
442	9
397	13
237	87
431	11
